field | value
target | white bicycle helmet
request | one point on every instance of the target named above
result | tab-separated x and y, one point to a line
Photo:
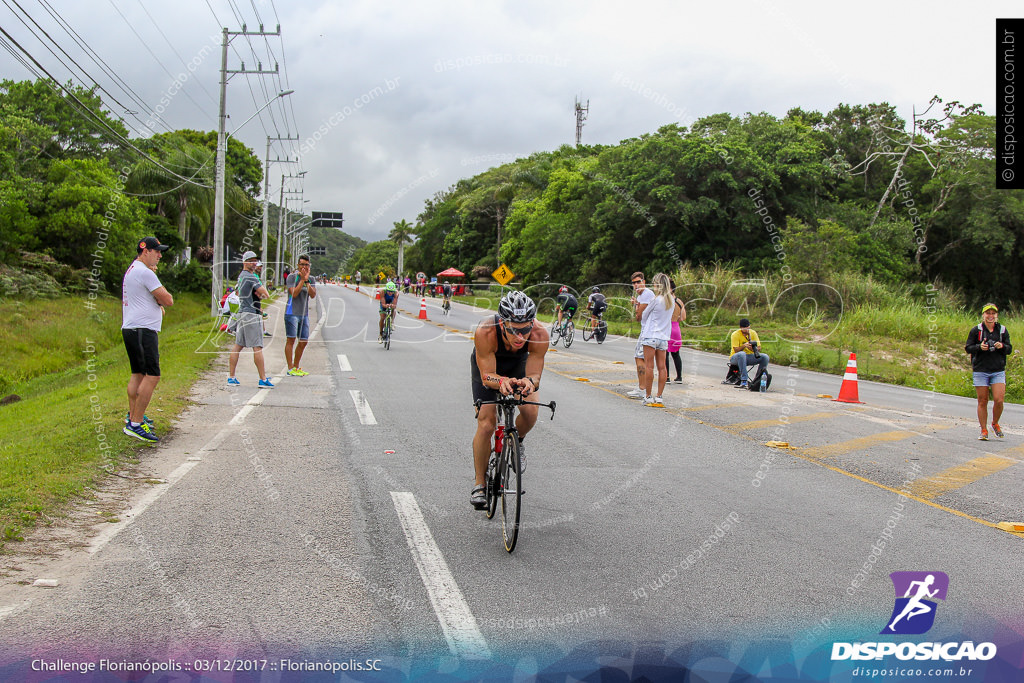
516	307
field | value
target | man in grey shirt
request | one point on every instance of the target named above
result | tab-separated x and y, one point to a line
249	332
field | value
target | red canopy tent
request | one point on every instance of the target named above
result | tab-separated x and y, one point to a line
452	272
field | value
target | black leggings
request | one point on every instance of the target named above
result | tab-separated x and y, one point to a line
678	362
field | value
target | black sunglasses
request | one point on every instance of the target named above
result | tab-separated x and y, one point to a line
638	282
521	331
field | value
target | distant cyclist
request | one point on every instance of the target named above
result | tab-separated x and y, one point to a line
388	300
596	304
446	293
508	355
567	304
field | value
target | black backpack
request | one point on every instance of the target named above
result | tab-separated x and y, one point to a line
732	376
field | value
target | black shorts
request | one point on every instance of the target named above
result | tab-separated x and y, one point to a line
570	311
143	350
600	308
514	367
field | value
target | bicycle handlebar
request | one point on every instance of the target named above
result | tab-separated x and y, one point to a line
514	399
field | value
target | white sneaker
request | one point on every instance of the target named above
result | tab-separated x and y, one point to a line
657	399
636	393
649	401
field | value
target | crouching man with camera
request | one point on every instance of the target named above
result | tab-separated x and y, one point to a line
746	352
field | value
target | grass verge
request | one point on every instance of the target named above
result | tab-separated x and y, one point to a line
68	365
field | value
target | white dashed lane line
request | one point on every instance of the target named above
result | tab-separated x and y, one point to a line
362	407
457	621
343	363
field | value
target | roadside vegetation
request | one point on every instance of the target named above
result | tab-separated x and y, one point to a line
66	363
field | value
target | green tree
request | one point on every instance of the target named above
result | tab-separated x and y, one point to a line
375	257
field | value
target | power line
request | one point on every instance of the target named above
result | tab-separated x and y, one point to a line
89	113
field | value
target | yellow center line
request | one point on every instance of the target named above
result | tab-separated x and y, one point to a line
959	476
715	405
740	426
833	449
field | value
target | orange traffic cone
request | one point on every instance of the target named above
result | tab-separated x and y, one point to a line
377	295
848	390
423	309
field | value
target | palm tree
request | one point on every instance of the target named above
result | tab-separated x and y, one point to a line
189	203
402	233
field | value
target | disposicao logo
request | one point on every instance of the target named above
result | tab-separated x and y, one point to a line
912	614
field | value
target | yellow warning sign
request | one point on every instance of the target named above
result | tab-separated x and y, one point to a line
503	275
381	276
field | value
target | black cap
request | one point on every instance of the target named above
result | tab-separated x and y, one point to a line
152	243
744	322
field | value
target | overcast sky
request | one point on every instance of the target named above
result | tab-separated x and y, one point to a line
395	101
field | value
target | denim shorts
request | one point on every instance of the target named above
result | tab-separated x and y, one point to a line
656	344
296	326
985	379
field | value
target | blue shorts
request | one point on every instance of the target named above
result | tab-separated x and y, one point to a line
986	379
656	344
296	326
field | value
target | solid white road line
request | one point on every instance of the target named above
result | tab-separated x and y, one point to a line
362	407
457	622
343	362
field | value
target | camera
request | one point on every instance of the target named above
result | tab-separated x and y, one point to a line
757	350
992	344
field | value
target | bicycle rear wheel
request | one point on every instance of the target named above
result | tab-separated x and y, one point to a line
511	490
602	331
570	331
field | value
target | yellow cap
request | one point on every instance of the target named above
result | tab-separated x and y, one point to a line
990	307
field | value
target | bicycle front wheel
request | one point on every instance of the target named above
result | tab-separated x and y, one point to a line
553	333
588	330
511	490
387	333
570	330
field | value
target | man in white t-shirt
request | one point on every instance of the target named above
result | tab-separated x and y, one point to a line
642	297
143	299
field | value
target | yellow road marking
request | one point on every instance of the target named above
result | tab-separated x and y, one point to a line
833	449
716	405
740	426
959	476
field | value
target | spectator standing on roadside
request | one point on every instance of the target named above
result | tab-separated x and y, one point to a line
641	298
675	342
989	344
359	276
301	288
743	352
249	331
143	299
655	331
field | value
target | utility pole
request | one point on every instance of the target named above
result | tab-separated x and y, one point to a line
266	196
219	257
581	116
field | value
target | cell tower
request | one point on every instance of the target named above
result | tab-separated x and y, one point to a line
581	116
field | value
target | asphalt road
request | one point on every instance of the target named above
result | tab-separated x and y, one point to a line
329	517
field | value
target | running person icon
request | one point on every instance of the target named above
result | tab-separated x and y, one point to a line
914	606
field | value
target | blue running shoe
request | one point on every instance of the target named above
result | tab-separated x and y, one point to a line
142	432
265	384
232	381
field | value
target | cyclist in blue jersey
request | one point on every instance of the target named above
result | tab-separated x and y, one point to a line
388	300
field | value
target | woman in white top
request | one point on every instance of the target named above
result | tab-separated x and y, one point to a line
655	331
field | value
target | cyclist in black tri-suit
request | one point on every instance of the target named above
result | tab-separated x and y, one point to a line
596	304
567	304
446	293
508	355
